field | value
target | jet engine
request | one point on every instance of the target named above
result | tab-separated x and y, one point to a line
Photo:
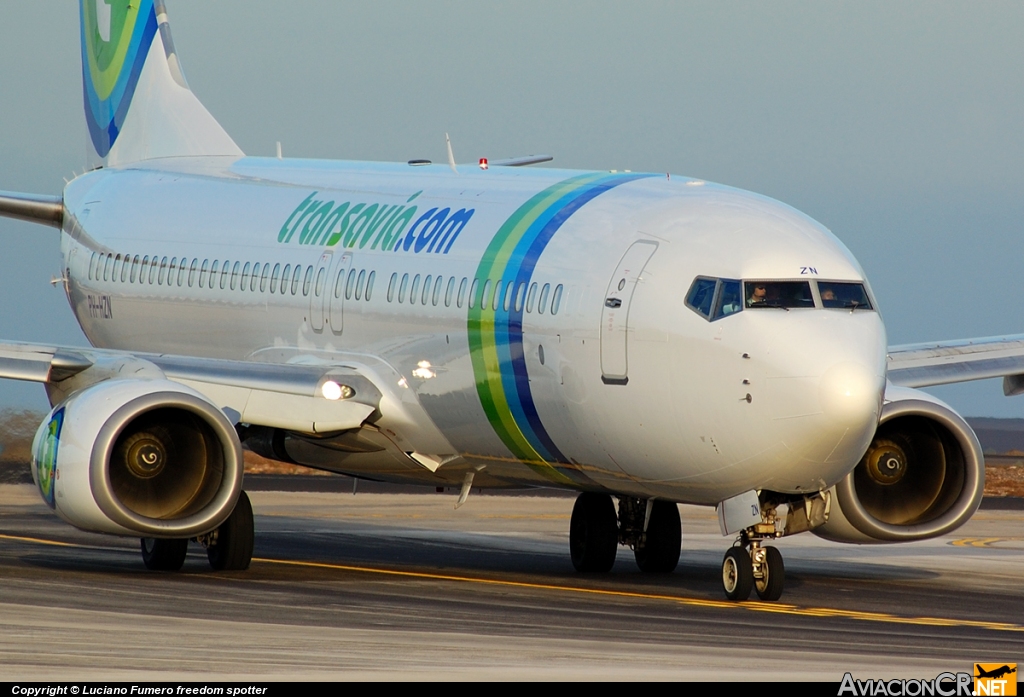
145	458
922	476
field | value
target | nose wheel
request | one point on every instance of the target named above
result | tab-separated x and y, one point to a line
751	566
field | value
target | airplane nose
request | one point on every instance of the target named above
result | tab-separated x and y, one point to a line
847	391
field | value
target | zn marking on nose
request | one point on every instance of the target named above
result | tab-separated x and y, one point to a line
808	271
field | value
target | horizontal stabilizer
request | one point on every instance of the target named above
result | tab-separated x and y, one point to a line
46	210
521	161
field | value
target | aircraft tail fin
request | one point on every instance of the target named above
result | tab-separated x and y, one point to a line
137	103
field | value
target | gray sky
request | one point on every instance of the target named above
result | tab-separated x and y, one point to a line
897	125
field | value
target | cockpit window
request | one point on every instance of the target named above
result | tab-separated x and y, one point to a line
702	295
729	299
781	294
851	296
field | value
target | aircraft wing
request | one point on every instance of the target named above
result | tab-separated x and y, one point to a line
289	395
945	362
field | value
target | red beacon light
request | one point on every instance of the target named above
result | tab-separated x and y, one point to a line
483	163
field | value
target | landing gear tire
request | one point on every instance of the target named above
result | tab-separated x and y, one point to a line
659	553
164	555
737	574
772	577
593	533
231	549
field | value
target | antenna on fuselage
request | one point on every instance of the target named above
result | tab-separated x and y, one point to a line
279	150
451	156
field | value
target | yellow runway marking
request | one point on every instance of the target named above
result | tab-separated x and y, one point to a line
778	608
36	540
754	606
982	541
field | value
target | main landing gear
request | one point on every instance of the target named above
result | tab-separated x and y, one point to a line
228	548
749	565
651	528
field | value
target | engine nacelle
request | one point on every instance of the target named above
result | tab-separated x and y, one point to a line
145	458
922	476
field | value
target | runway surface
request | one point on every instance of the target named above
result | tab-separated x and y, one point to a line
402	586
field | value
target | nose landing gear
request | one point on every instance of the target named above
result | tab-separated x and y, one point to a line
749	565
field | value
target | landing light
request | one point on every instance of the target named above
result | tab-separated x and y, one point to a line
333	391
423	371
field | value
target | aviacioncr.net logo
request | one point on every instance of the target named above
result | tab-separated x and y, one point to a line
943	685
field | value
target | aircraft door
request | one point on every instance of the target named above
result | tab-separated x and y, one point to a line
337	292
317	298
615	313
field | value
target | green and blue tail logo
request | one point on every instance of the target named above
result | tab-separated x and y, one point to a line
116	37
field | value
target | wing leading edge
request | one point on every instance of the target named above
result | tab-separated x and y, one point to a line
946	362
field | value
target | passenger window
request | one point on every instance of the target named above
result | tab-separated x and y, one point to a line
778	294
517	303
414	290
702	296
264	275
202	272
369	285
144	269
350	284
391	287
120	268
307	281
192	272
162	271
437	291
850	296
235	274
509	287
485	295
496	299
274	275
556	301
473	297
542	302
427	285
172	271
339	283
530	297
318	286
402	286
296	279
285	278
359	283
449	292
462	292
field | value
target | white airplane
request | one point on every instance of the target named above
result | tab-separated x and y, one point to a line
635	337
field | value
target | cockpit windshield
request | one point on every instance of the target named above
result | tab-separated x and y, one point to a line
715	298
851	296
780	294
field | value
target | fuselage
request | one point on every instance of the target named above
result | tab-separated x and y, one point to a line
539	316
